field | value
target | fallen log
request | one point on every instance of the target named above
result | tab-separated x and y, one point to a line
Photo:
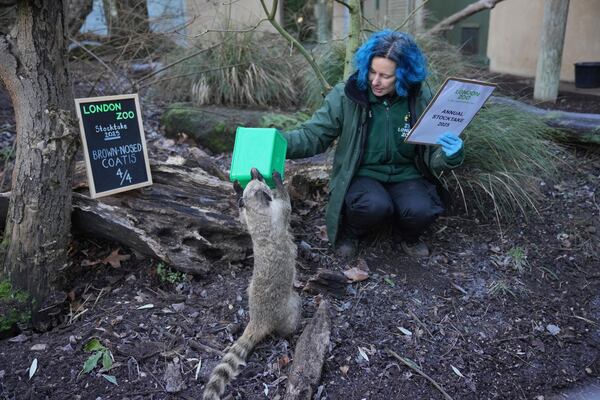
309	356
579	127
188	218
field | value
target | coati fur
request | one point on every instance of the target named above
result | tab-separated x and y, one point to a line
274	306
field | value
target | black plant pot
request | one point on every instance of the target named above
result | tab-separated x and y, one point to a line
587	75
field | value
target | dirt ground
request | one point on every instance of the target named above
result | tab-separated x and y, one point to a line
507	311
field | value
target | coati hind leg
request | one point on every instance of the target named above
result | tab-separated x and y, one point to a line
291	316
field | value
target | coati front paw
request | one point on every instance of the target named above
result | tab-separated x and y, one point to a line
239	193
278	181
280	190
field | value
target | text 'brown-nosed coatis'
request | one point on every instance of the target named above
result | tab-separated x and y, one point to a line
274	306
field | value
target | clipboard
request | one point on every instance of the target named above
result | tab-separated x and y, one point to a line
451	110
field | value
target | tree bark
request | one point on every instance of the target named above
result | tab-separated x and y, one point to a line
354	36
323	16
309	356
554	25
33	68
187	218
449	22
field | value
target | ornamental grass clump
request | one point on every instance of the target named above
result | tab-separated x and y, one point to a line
240	69
508	154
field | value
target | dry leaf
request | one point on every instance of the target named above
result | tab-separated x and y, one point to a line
456	371
89	263
344	369
283	361
322	233
363	353
405	331
114	259
356	274
33	368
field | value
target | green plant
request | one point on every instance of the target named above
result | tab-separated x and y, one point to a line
507	154
249	68
99	354
518	258
500	288
14	307
166	274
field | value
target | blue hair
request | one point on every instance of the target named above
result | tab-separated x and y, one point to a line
396	46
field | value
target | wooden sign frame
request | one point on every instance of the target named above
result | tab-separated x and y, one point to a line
137	119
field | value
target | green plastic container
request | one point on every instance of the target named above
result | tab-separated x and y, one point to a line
260	148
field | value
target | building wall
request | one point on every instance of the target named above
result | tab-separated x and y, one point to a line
515	29
213	15
380	14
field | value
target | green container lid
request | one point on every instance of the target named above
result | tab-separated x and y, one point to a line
260	148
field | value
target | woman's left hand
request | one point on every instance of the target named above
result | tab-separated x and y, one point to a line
451	144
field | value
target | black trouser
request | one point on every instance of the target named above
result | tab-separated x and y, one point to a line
411	206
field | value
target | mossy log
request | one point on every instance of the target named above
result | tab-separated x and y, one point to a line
579	127
211	127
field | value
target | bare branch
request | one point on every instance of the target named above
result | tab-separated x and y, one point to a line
295	43
413	12
469	10
182	59
91	53
344	4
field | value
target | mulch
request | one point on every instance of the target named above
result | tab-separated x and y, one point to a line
507	310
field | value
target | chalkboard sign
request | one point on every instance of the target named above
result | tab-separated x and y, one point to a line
113	143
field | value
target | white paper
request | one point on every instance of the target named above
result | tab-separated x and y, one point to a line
451	110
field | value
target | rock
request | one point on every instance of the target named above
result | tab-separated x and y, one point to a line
173	380
19	339
39	347
178	307
72	339
553	329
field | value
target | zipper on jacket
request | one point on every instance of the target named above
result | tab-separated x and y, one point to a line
387	131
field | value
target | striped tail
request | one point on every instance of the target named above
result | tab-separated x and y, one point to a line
230	365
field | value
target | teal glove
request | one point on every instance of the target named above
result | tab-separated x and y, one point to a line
451	144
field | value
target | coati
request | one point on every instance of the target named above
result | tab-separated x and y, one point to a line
274	306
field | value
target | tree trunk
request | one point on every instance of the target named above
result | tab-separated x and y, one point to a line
554	25
34	70
126	17
323	16
354	36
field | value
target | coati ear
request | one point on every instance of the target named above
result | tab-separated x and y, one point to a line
239	192
255	173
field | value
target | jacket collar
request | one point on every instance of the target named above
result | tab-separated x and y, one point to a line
354	93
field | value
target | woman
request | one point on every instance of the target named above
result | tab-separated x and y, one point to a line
376	176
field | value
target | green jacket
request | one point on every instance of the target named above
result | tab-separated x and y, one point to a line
343	116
